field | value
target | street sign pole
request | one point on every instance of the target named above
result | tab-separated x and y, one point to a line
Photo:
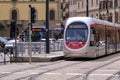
30	46
32	21
30	26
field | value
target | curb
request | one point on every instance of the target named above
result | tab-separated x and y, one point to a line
37	59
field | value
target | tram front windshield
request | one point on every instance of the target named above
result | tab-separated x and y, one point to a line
76	32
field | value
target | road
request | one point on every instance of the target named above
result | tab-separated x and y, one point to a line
104	68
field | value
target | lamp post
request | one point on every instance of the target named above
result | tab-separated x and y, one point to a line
87	11
99	9
115	5
47	26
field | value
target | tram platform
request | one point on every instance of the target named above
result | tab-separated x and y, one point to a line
44	57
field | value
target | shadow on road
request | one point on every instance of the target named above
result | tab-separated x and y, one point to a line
102	58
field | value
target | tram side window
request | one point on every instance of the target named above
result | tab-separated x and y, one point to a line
97	35
111	35
102	33
92	39
119	35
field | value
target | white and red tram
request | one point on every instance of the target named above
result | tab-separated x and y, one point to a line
90	37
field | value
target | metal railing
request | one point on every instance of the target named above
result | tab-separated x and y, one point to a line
38	47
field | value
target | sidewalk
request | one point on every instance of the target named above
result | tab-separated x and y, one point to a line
4	57
52	56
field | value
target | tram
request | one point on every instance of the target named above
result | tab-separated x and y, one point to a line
90	37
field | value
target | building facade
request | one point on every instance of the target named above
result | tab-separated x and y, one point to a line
65	11
102	9
20	11
110	10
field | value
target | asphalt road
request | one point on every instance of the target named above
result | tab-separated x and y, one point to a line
104	68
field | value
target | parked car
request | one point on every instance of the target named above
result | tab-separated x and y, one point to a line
3	41
10	45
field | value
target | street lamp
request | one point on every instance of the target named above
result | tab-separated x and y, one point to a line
47	26
87	11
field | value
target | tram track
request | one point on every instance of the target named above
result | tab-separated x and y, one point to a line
86	77
117	74
86	74
33	76
4	75
49	68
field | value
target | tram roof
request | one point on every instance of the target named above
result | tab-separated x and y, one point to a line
89	20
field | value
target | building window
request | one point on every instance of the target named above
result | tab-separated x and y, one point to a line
116	3
104	5
97	1
32	0
92	15
110	4
110	17
116	17
97	15
91	2
78	5
52	15
74	2
82	4
100	16
14	15
13	0
52	0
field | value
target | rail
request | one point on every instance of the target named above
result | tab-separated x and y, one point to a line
38	47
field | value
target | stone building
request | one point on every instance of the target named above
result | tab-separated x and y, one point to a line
103	9
65	11
19	10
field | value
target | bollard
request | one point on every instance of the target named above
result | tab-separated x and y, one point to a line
5	52
11	52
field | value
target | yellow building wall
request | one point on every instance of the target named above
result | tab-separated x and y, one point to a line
4	11
23	17
24	10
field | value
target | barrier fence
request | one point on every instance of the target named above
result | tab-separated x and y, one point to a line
38	47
